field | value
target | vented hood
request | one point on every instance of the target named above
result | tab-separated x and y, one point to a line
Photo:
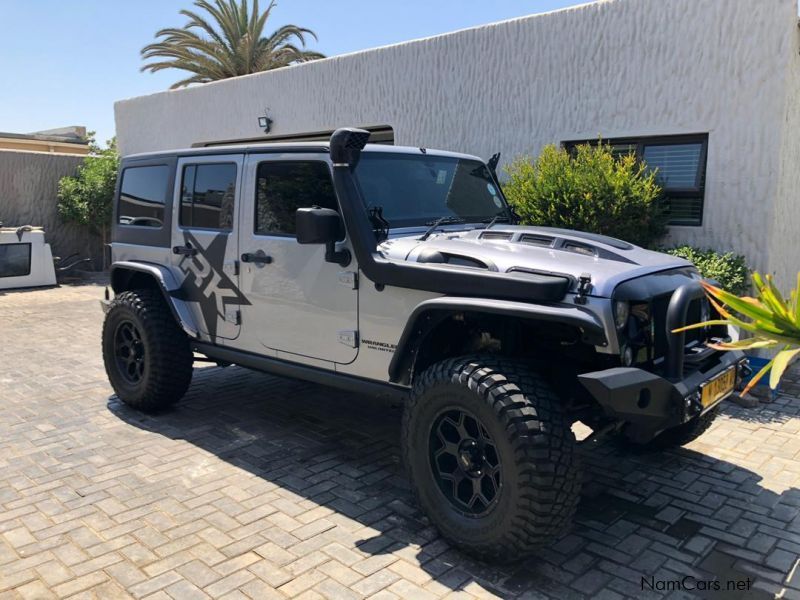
542	250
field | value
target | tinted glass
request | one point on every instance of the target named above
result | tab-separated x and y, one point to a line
284	186
415	190
678	164
15	260
208	195
142	196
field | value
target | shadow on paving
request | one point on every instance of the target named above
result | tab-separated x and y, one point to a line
658	517
778	411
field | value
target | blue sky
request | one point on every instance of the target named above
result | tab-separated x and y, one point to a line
66	62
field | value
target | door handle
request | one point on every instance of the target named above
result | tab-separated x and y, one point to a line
186	250
256	257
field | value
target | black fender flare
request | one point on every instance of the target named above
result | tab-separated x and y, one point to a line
430	313
166	282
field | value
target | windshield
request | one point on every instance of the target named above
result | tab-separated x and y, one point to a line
415	190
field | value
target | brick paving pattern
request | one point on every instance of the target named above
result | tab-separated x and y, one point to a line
260	487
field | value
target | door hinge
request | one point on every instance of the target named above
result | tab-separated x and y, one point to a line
233	315
349	338
349	278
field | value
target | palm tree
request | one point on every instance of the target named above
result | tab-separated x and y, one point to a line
233	45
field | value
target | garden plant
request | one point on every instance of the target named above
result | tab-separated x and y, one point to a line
591	189
772	321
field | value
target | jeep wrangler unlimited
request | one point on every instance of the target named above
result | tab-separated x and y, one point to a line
402	272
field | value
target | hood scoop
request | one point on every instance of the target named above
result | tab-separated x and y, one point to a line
496	235
536	240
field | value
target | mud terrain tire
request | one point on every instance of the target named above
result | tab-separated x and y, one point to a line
147	356
514	428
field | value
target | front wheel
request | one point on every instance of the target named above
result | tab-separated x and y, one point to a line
147	357
491	456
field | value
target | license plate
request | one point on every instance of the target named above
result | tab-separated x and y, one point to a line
718	388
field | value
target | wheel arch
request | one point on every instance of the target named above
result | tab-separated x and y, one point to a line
130	275
431	314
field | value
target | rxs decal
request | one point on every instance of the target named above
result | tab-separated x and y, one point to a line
205	281
208	281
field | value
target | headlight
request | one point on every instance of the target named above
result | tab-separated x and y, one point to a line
622	311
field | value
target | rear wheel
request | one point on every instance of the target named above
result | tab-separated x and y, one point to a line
147	357
491	456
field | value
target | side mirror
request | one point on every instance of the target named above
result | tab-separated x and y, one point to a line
317	225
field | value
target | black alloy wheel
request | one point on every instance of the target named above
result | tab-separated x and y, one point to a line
465	462
129	352
148	358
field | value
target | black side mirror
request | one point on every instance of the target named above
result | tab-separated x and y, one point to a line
317	225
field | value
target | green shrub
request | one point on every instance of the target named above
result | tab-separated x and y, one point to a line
729	269
591	190
87	197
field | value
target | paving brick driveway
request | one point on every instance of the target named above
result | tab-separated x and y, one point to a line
260	487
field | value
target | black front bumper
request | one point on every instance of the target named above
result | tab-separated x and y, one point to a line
650	403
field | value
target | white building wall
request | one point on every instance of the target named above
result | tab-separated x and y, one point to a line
783	237
611	68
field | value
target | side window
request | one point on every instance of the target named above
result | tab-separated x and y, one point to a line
284	186
15	260
142	195
208	193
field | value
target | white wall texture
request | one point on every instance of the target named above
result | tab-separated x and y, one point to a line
29	196
783	239
611	68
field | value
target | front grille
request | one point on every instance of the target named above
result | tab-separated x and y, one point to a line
661	335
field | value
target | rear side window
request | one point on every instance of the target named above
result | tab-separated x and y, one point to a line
284	186
208	194
142	195
15	260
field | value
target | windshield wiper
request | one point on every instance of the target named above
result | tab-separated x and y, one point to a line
380	226
495	219
446	220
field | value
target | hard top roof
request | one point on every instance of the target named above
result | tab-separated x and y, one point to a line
288	147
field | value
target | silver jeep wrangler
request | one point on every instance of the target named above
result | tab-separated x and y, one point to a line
402	272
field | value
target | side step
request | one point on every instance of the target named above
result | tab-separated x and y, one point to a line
284	368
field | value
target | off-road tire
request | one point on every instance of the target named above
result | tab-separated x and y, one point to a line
539	467
685	433
166	369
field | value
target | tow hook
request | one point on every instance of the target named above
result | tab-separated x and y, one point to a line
584	287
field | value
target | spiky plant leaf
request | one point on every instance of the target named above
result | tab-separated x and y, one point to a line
772	319
780	364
